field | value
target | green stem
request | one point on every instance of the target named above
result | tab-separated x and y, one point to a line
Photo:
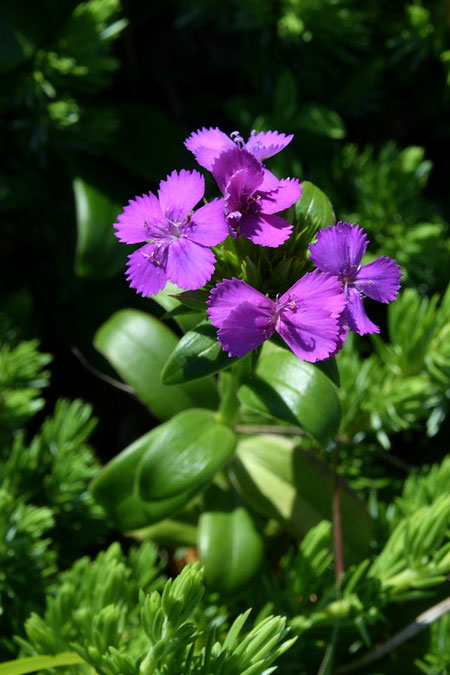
337	522
229	402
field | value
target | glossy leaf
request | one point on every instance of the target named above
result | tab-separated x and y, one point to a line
295	391
197	354
330	369
186	454
283	481
138	345
229	542
99	255
115	488
314	207
167	299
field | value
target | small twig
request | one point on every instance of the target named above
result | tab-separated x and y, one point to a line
337	522
393	459
422	621
100	375
267	429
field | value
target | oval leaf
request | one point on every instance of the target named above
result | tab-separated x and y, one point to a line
197	354
98	254
229	542
185	455
314	208
115	488
295	391
167	298
283	481
137	345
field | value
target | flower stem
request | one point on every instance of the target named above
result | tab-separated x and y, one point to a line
337	522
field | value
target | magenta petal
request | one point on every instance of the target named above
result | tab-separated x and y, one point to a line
286	193
343	331
207	144
265	230
140	213
270	181
356	316
239	189
339	249
180	192
312	334
228	294
241	162
267	143
189	265
146	270
380	279
208	225
246	327
317	289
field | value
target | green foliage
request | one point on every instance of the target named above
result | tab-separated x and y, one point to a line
407	379
95	612
26	559
80	58
281	481
437	659
55	470
386	188
288	389
138	346
22	376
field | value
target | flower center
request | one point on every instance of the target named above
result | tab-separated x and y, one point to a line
281	307
237	138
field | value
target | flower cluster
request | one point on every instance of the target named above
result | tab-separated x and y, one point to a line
177	239
314	316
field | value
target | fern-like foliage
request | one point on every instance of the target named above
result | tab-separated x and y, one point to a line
55	470
406	380
95	611
27	560
23	375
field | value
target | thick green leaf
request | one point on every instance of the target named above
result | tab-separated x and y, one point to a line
138	345
314	207
229	542
295	391
284	482
115	488
197	354
330	369
186	454
99	254
328	366
32	664
166	299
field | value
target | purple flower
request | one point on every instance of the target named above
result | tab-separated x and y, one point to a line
339	250
307	316
208	144
250	208
177	240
